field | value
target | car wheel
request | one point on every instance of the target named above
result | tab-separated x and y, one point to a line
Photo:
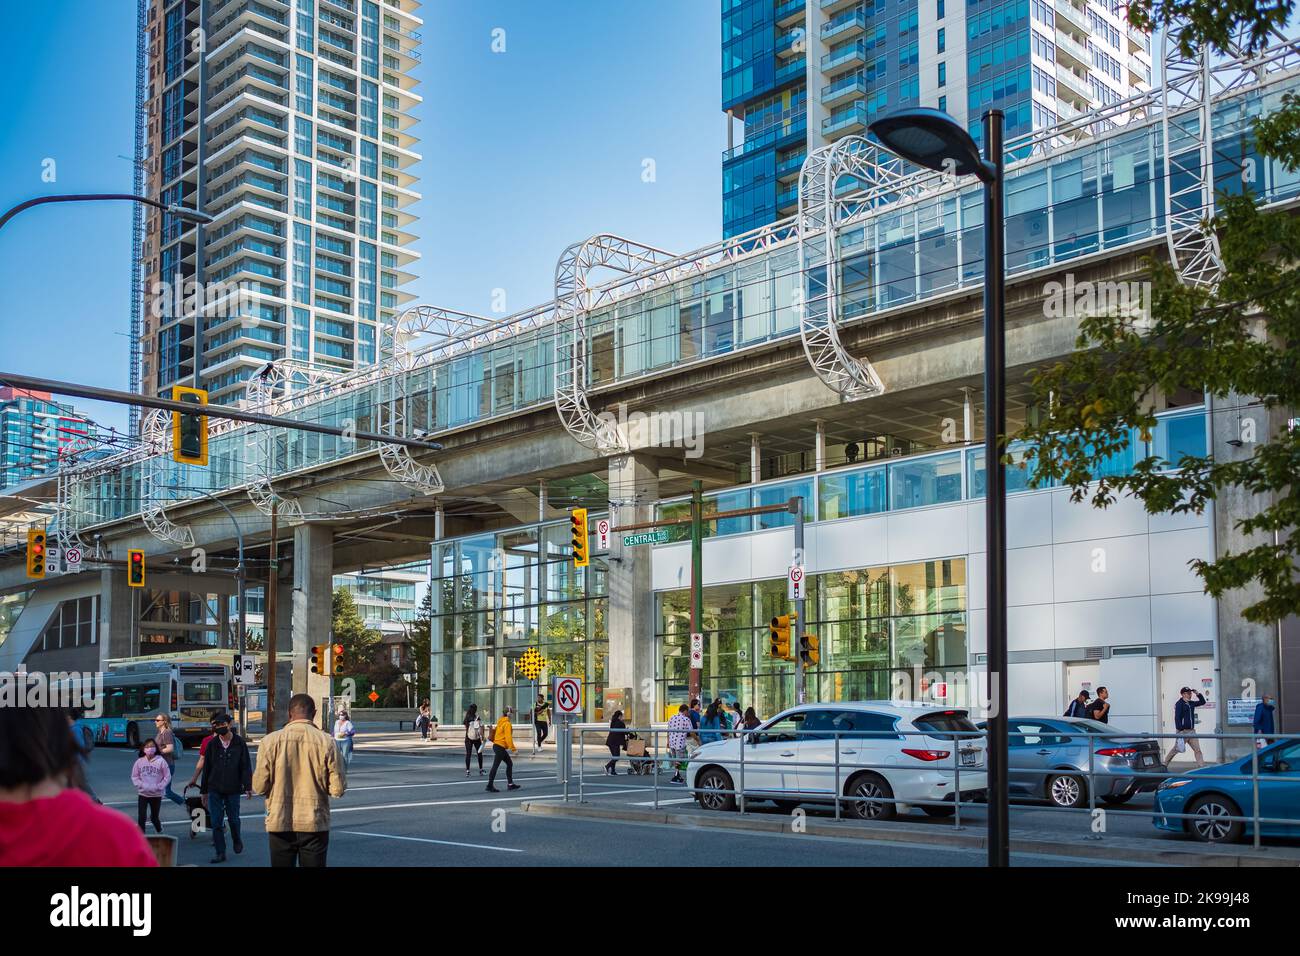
711	790
1067	790
786	805
939	811
1115	799
870	798
133	736
1208	823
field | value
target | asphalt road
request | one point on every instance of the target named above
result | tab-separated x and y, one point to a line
419	809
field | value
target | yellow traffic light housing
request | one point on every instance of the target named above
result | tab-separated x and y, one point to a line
779	636
318	665
189	432
35	553
135	568
810	650
336	660
578	521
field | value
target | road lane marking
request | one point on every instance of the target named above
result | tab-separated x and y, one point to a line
651	803
472	846
448	783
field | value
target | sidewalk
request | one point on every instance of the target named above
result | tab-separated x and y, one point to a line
384	737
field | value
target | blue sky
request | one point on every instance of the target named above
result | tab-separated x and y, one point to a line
524	152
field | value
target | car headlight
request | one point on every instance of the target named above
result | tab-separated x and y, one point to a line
1171	784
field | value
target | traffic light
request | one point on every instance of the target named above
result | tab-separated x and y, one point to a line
135	568
189	432
578	520
809	650
35	553
318	664
336	660
779	636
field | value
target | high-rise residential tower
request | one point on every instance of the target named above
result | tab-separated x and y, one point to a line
35	432
802	73
289	121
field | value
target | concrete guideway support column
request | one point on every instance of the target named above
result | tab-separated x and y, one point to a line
633	490
312	603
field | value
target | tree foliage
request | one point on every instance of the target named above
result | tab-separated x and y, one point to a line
1238	341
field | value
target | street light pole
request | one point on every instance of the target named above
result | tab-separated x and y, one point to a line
934	140
184	212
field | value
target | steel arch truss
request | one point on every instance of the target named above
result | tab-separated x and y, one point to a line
880	179
157	435
266	391
67	510
575	297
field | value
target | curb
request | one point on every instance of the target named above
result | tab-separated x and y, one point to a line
902	834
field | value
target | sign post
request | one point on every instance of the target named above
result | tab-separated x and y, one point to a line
567	693
797	594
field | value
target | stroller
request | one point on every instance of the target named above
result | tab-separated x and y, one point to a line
639	760
191	805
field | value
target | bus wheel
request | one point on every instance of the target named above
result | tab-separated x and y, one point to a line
133	736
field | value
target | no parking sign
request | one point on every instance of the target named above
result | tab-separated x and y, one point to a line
567	692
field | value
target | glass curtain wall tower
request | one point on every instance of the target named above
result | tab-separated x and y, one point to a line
290	121
803	73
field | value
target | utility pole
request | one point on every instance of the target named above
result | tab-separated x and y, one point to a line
269	625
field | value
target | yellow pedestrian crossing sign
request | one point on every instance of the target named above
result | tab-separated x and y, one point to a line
531	664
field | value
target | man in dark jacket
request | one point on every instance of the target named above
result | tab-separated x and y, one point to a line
1263	722
1079	706
227	772
1185	724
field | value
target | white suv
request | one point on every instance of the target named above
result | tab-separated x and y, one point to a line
892	755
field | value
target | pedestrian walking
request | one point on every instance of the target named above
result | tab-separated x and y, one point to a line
46	819
616	741
694	715
711	724
83	739
751	719
474	734
1079	706
298	770
169	748
678	727
227	772
422	721
503	745
737	715
150	776
1263	720
203	751
541	719
1185	725
344	731
1099	708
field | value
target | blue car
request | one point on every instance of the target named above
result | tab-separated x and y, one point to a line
1229	792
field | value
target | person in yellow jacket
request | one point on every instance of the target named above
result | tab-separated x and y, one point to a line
503	745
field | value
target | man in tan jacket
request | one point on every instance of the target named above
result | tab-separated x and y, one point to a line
298	770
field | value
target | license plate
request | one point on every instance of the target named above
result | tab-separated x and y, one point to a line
1148	761
198	713
970	758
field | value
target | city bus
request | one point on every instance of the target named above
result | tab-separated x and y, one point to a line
190	693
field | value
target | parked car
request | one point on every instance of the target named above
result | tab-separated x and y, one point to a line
1049	760
791	759
1211	795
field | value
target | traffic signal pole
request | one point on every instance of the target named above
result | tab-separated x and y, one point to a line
697	575
800	676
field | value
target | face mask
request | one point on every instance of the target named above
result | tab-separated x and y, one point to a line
149	751
223	731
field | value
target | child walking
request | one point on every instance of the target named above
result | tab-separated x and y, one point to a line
150	776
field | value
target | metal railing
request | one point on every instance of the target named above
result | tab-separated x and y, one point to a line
965	756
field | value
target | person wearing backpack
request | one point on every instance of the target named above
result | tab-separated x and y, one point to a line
503	745
474	734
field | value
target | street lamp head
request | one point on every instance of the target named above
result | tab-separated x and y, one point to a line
931	139
197	216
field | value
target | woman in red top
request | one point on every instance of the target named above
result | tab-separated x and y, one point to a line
44	819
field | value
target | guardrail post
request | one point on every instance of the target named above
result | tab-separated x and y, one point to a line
742	770
654	737
1092	790
582	759
1254	783
837	775
956	781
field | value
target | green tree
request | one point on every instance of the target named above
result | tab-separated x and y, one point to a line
1237	339
359	642
421	642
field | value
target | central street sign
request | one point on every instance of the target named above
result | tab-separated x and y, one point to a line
568	695
602	534
794	579
658	536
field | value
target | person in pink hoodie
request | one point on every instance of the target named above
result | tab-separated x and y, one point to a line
150	775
